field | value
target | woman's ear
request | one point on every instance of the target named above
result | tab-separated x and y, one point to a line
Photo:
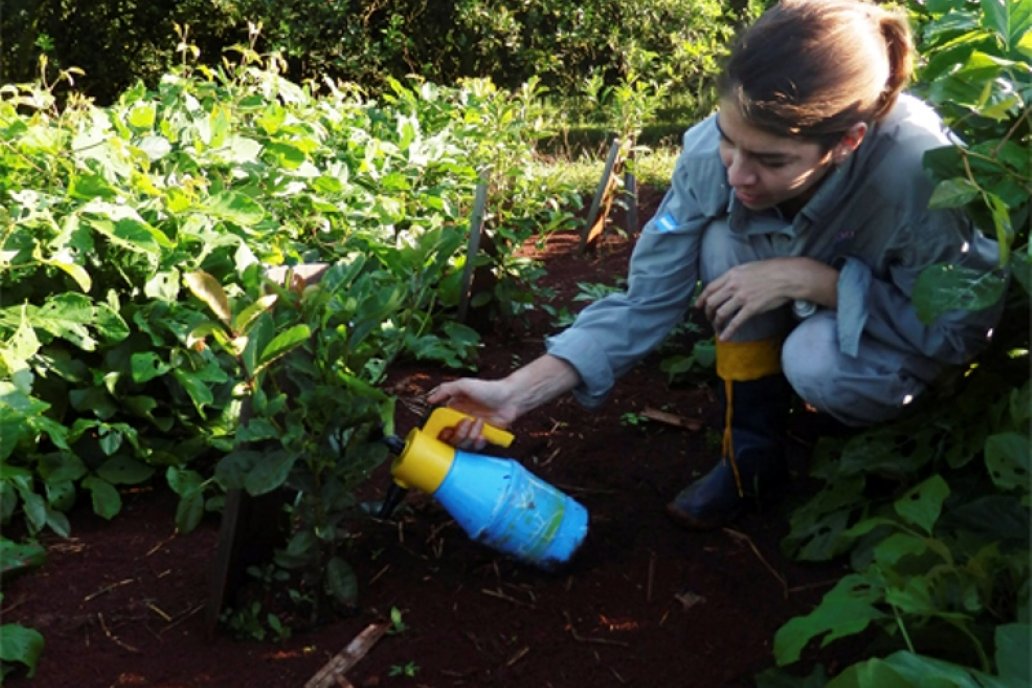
849	142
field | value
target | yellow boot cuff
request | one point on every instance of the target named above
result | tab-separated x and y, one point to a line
744	361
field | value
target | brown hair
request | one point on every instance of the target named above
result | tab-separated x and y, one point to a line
814	68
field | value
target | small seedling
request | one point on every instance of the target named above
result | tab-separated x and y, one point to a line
633	419
397	622
409	669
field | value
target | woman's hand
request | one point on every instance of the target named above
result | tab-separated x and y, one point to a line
487	401
764	285
501	402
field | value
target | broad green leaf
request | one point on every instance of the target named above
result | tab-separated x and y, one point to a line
912	597
232	469
207	289
240	150
142	116
245	317
196	388
19	556
22	645
163	285
779	678
72	316
133	234
124	470
62	261
256	430
61	467
846	609
183	480
87	186
235	207
22	345
283	343
896	546
1011	19
106	500
189	511
953	193
1007	459
908	670
147	366
922	504
154	147
1013	656
943	288
269	472
341	581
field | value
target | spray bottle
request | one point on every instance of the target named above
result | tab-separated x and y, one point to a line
497	502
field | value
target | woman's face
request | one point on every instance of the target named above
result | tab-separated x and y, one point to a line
767	170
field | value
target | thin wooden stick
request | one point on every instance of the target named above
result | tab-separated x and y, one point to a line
108	588
743	537
502	596
332	673
693	424
115	639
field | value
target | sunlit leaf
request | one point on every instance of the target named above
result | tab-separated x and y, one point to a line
207	289
283	343
235	207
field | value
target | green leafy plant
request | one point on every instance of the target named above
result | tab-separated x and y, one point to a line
933	510
409	669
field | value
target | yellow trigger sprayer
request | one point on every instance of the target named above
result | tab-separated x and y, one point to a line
496	501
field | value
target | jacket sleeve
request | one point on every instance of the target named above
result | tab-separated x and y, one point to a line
881	306
611	335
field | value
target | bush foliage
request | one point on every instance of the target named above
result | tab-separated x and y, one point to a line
117	42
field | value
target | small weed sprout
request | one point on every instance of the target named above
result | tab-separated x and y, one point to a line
409	669
398	624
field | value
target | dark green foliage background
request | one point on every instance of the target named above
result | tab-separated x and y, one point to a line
117	42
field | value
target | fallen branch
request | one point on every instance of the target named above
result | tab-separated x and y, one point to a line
693	424
332	673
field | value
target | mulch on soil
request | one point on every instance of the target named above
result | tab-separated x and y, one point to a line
642	604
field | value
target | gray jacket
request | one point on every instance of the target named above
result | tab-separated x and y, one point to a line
869	219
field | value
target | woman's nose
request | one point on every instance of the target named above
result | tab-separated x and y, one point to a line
740	171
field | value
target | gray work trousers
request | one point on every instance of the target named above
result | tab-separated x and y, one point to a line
874	386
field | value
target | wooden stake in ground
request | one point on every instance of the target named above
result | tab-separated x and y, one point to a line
332	673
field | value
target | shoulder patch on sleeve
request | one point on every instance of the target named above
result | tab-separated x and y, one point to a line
666	223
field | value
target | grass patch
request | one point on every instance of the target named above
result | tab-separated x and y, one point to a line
653	167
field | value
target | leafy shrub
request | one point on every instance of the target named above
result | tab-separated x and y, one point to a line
368	41
933	510
141	332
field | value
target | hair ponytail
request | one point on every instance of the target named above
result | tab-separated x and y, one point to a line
896	32
814	68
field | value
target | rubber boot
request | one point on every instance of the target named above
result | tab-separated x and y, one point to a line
756	400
